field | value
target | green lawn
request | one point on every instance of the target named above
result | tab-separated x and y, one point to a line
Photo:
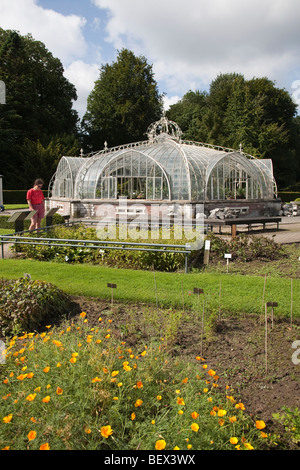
239	293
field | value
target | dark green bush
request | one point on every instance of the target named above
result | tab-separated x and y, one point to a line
246	248
26	304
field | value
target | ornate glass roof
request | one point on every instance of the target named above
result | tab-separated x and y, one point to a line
164	168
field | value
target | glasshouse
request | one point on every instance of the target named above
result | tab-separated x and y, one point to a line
164	169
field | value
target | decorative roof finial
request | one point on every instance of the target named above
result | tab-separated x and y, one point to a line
164	127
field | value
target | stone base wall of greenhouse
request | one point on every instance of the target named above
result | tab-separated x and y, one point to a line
112	209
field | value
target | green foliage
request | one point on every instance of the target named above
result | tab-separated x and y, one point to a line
290	419
123	103
246	248
26	304
254	113
118	258
38	105
80	379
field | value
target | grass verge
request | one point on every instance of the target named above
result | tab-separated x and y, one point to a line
228	293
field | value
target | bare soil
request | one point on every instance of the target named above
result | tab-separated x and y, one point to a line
234	347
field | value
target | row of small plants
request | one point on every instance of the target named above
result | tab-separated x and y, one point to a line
161	261
243	247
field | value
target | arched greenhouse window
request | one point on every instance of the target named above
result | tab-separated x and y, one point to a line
133	175
233	176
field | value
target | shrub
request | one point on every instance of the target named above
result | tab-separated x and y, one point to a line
26	304
246	248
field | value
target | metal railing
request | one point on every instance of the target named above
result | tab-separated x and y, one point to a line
96	244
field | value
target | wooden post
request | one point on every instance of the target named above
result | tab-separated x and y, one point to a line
112	286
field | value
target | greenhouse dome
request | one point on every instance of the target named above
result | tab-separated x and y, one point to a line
163	168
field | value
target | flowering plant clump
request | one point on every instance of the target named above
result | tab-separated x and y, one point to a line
78	387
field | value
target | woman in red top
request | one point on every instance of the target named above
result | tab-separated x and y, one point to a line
35	199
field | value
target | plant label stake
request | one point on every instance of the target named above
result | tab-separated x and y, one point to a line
206	252
227	256
112	286
198	291
272	305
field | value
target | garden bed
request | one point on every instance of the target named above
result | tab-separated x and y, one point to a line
235	348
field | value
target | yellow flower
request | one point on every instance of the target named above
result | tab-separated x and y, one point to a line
106	431
159	397
160	444
248	446
139	384
22	376
96	379
233	440
83	314
211	372
194	415
31	435
232	419
132	416
222	412
73	360
46	369
45	446
7	419
31	397
46	399
180	401
59	391
114	373
138	403
240	406
260	424
195	427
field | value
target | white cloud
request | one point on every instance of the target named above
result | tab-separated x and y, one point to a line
168	101
62	35
83	77
190	42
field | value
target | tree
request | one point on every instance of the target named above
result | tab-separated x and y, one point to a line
254	113
123	103
39	100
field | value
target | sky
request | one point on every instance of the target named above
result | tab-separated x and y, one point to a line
187	42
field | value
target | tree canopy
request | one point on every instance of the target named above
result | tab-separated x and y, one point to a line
38	105
252	113
123	103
